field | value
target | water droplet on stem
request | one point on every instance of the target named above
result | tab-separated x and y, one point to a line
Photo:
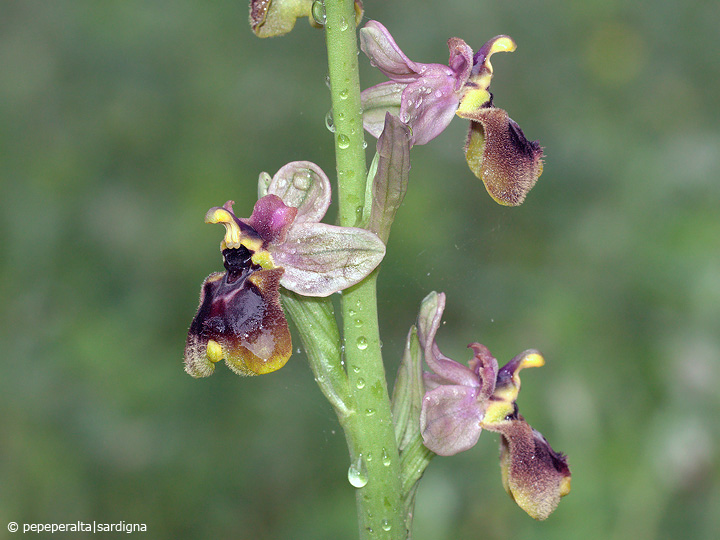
318	12
357	473
330	122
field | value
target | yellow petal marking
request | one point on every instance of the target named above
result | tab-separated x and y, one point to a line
214	351
263	258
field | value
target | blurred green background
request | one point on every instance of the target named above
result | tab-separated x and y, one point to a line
122	122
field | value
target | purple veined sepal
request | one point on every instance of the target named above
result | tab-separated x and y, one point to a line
456	395
423	96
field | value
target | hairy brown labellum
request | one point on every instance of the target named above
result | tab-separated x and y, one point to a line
239	320
499	154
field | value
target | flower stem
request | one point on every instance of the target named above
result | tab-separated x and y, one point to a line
342	50
375	467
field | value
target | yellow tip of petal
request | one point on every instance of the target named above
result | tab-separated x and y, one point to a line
534	359
218	215
503	44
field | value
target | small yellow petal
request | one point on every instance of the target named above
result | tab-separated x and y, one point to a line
233	234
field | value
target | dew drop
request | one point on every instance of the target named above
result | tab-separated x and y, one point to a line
356	369
357	473
342	141
369	412
330	122
386	526
358	324
344	94
343	24
351	312
301	181
364	145
362	343
327	80
385	458
360	383
318	12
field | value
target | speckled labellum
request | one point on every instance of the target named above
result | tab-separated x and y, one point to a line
239	319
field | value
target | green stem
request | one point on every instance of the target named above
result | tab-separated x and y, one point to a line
342	50
369	431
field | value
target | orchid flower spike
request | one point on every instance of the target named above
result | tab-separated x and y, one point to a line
427	96
240	319
462	400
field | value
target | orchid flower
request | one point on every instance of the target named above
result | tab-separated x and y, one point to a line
462	400
427	96
282	243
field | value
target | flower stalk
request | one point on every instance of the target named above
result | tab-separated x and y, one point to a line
369	431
